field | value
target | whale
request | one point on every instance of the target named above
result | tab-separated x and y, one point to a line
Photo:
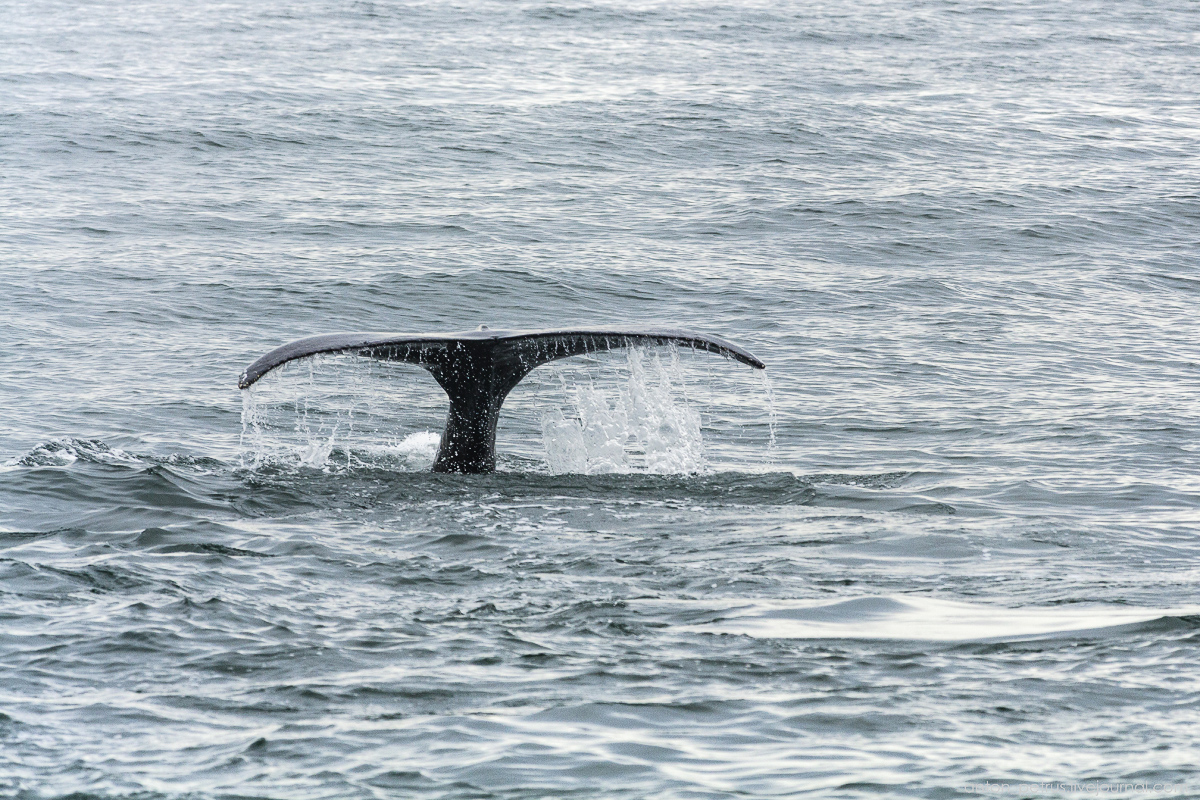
477	369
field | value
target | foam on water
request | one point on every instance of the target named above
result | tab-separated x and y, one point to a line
919	618
62	452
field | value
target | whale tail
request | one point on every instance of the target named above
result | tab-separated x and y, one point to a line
477	369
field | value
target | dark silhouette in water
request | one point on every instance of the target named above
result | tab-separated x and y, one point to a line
479	368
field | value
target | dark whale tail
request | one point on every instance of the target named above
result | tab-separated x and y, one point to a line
479	368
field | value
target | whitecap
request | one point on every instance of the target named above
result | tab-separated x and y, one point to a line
908	617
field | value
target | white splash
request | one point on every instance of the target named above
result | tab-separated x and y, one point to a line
633	411
772	417
338	412
416	451
423	444
645	425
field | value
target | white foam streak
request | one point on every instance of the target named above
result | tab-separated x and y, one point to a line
908	617
64	451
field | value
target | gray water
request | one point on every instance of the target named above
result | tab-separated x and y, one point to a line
962	235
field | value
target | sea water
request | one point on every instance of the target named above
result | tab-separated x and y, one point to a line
951	546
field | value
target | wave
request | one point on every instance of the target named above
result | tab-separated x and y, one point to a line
87	485
911	618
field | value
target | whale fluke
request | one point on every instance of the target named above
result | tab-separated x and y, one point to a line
478	369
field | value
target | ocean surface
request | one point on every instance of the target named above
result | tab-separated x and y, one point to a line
950	541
